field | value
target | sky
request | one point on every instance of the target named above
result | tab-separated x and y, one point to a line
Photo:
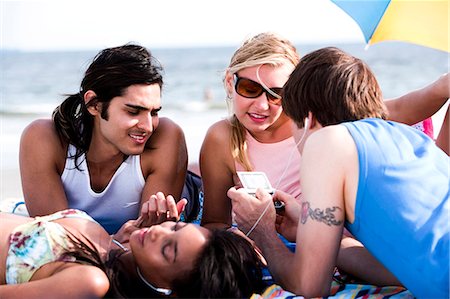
40	25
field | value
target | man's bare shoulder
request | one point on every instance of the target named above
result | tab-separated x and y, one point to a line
330	134
42	131
166	123
168	132
166	149
40	125
166	146
40	142
332	141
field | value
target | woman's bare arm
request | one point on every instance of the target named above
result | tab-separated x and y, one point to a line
216	163
420	104
65	283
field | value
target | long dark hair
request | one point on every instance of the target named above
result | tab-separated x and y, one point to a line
109	74
228	267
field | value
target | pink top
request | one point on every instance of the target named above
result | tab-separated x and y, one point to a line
280	161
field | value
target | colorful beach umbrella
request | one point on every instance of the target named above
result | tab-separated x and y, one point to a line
423	22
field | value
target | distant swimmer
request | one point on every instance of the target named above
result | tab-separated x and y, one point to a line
208	95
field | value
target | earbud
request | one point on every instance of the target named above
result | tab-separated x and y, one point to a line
306	123
305	130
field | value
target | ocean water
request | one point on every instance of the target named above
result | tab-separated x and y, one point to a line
35	82
32	84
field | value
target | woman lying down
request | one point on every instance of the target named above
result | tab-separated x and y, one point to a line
69	255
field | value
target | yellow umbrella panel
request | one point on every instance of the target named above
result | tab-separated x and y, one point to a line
423	22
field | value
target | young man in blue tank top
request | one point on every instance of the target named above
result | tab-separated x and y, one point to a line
106	151
386	182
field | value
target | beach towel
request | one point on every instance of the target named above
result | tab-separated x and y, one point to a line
342	290
14	206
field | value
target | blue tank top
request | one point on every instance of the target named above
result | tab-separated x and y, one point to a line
117	203
402	204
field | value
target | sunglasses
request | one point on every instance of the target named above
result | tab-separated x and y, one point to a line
251	89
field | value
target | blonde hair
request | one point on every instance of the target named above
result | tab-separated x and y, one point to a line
264	48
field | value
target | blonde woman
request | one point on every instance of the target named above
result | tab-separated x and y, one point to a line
258	134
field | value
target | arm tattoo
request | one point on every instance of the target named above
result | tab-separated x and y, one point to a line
328	217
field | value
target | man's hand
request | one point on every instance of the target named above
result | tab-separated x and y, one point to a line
160	208
287	218
123	234
248	209
156	210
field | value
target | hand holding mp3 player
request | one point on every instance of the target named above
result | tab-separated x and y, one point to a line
252	180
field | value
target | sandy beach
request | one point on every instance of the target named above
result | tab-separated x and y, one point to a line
11	128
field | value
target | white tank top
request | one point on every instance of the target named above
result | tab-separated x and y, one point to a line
280	161
117	203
